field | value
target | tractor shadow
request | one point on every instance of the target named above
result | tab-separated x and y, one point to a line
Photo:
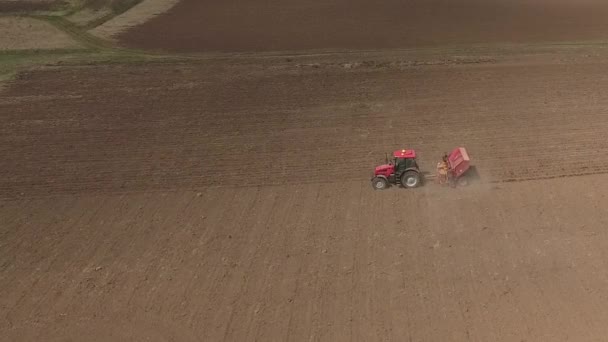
472	175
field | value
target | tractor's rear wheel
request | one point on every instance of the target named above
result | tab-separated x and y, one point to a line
410	179
379	183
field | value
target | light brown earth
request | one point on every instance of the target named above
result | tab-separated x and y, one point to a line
138	15
87	16
21	33
322	262
228	200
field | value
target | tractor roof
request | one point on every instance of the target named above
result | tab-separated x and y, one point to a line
404	154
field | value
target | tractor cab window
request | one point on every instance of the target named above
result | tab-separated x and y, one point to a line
404	163
399	163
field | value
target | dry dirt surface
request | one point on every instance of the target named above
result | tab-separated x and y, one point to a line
87	16
19	33
139	14
229	201
309	262
245	25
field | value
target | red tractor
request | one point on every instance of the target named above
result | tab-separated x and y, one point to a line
402	169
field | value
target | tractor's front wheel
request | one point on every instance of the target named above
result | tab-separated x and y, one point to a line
379	183
410	179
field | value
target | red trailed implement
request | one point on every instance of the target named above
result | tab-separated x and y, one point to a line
459	163
452	169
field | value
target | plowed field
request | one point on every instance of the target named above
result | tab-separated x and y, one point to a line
185	126
323	262
29	5
229	201
271	25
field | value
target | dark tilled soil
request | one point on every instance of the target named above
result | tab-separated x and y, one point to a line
187	126
242	25
28	6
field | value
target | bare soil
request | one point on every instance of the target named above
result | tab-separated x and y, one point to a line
139	14
243	25
87	16
20	33
30	5
323	262
257	124
228	200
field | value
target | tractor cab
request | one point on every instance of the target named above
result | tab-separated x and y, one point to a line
404	159
401	169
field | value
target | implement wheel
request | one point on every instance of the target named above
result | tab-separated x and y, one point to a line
379	183
410	179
